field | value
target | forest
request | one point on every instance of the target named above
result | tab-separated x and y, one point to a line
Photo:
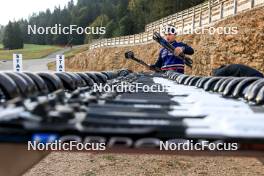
120	17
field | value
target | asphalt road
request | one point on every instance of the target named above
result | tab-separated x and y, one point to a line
33	65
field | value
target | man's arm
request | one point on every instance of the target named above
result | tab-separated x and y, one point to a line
187	49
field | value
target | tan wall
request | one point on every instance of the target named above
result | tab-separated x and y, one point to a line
246	47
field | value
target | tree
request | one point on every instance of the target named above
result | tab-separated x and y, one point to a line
110	29
2	28
8	36
126	26
120	17
18	36
13	38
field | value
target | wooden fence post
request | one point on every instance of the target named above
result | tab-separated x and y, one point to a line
221	10
235	7
252	3
209	12
193	20
201	14
182	25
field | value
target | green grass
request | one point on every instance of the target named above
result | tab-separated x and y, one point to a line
30	51
1	45
69	54
75	51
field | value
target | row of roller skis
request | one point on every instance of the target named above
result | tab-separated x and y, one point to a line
65	106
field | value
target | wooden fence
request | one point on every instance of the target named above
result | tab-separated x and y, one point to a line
202	15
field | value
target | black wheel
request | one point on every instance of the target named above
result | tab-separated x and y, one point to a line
224	84
8	87
194	80
53	82
230	87
203	81
79	81
31	84
198	81
93	77
254	89
101	77
68	82
39	82
109	75
260	96
174	76
87	79
209	85
181	78
186	82
219	83
238	92
21	83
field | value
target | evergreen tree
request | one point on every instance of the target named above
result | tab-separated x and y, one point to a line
120	17
18	36
13	38
1	33
8	36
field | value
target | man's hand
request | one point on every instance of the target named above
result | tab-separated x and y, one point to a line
178	51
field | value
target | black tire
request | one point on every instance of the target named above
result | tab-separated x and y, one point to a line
112	74
79	81
93	77
101	76
186	82
230	87
260	97
116	74
67	81
39	82
21	83
87	79
109	75
8	87
240	88
252	92
209	85
198	81
224	84
203	81
175	76
53	82
194	80
219	83
181	78
31	84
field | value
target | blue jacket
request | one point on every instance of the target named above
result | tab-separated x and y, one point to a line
168	61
